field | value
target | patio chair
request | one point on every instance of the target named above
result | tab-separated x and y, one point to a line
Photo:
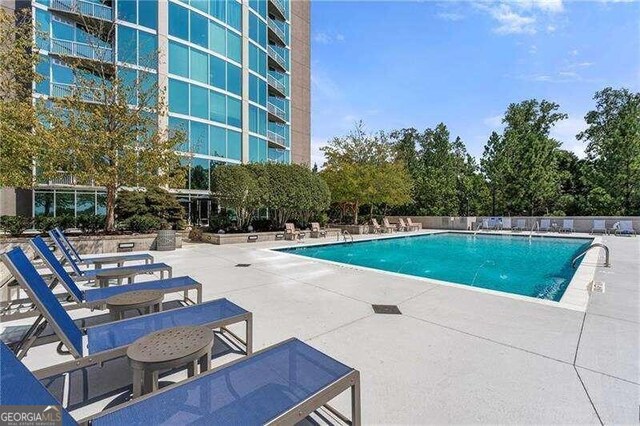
376	226
90	274
625	227
416	226
567	225
521	225
108	341
59	238
506	224
95	298
599	225
493	223
291	233
401	225
387	226
317	231
545	225
283	384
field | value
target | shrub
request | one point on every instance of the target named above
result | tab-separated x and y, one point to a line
263	225
15	225
154	202
45	224
65	221
142	223
195	234
90	223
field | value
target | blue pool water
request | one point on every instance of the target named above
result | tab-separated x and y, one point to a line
538	267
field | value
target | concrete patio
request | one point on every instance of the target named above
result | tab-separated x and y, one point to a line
455	355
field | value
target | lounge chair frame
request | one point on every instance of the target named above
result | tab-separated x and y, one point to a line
294	414
81	362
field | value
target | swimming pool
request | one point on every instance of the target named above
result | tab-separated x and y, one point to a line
537	267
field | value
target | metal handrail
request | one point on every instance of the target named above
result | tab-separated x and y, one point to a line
346	234
279	112
278	58
277	84
536	225
478	228
81	50
82	7
606	252
276	29
276	138
280	6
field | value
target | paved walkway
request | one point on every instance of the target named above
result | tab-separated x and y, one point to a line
455	355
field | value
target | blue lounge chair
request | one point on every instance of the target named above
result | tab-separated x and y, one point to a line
506	224
93	298
280	384
110	340
90	274
119	259
625	227
545	225
567	225
521	225
599	225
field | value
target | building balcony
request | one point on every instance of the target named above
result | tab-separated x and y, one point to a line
276	8
82	9
91	57
276	88
61	90
276	114
276	140
276	34
276	61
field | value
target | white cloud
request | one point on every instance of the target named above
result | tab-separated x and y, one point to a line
494	122
510	22
328	37
522	16
450	16
565	131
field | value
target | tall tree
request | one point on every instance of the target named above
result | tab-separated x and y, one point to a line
521	163
613	138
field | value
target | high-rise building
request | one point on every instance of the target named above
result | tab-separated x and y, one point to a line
236	74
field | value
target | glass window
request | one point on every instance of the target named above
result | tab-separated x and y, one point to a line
178	96
257	60
178	21
65	204
202	5
257	120
257	90
199	30
257	30
234	46
199	66
85	203
43	69
101	205
217	9
62	30
127	45
257	150
61	74
199	174
199	101
148	13
43	29
234	145
128	77
178	59
43	205
234	14
148	50
217	38
234	112
180	125
217	72
148	87
127	11
259	6
199	138
217	107
217	141
234	79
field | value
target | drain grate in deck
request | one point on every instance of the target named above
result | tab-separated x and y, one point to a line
243	265
386	309
597	287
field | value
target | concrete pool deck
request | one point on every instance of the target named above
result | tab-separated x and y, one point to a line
455	355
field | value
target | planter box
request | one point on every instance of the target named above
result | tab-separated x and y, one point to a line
353	229
253	237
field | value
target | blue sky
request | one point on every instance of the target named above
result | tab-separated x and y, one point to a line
402	64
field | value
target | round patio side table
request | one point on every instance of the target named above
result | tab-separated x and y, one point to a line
167	349
149	300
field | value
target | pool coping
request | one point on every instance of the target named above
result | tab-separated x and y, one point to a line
575	297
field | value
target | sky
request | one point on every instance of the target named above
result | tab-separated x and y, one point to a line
399	64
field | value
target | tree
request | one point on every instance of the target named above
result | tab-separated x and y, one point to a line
360	169
237	188
613	138
19	126
156	202
521	163
106	131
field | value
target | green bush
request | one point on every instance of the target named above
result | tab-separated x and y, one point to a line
90	223
195	234
15	225
155	202
45	224
142	223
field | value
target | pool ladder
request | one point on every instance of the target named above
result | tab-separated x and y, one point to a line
606	253
345	234
535	226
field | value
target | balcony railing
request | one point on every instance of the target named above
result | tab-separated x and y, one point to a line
63	178
277	57
81	50
61	90
276	138
278	112
277	30
83	8
279	86
279	5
